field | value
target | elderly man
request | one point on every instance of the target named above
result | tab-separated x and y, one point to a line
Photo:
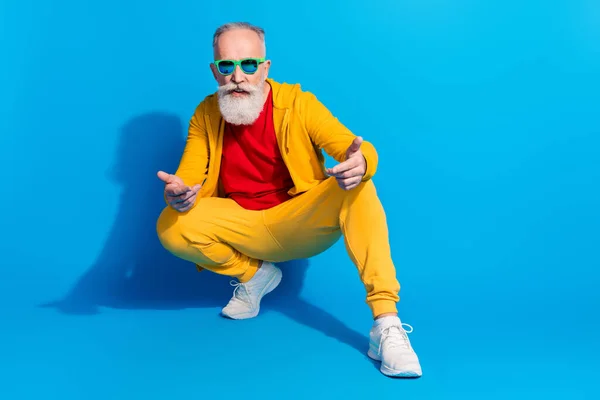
252	190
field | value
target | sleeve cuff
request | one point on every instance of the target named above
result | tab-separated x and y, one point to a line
370	156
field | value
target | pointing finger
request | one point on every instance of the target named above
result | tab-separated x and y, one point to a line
165	177
169	178
355	146
355	171
343	167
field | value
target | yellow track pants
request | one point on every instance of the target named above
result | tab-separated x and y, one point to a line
220	236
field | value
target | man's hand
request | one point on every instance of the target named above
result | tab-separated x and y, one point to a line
179	196
350	173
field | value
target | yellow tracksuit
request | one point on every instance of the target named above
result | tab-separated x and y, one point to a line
219	235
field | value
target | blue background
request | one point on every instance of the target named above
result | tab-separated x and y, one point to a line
486	118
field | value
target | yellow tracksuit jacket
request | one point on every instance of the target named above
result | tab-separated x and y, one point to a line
304	128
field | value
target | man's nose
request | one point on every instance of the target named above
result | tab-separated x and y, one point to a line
238	75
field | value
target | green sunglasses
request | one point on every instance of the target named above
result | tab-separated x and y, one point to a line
248	65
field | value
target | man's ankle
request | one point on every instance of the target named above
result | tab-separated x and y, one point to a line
388	314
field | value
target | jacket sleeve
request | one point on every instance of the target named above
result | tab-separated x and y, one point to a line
329	134
193	166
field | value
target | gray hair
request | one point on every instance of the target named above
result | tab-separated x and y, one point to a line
238	25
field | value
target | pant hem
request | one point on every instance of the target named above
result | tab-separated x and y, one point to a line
252	268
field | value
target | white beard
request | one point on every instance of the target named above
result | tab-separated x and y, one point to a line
241	110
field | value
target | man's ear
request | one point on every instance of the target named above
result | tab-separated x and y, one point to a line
267	66
213	68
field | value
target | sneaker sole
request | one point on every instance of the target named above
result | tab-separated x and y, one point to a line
269	287
392	372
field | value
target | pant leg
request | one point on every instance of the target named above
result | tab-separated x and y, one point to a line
220	236
312	222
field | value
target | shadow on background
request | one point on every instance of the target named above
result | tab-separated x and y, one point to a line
134	271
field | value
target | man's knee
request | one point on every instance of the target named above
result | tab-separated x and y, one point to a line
185	233
168	229
191	237
175	230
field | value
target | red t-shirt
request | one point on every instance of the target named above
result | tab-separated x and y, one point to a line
252	170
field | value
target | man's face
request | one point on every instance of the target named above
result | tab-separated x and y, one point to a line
241	94
238	44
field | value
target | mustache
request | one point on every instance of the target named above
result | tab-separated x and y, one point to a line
228	88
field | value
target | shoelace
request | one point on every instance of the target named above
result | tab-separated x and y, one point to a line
391	338
237	286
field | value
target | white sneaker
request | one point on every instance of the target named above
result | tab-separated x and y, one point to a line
245	302
389	344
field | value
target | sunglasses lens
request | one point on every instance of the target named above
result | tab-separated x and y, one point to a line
249	66
226	67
